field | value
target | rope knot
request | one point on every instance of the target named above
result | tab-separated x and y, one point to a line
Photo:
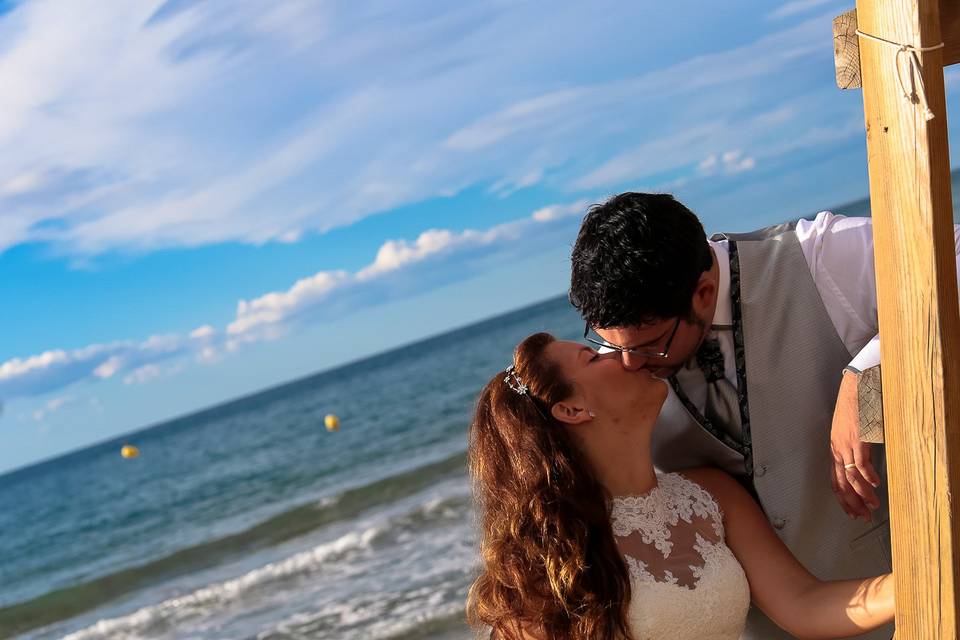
915	69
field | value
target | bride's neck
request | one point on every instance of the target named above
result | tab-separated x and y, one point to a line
625	466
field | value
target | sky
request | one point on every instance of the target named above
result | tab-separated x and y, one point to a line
202	199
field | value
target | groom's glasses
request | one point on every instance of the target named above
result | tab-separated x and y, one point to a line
640	352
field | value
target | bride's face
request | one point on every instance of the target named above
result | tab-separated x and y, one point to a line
602	385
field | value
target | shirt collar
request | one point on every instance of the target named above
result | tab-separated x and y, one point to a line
724	312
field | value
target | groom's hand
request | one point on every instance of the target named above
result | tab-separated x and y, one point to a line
852	476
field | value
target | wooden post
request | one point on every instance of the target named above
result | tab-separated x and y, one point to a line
919	322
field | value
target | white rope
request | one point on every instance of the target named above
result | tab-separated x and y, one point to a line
914	68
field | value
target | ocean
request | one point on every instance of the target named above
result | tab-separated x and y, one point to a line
251	520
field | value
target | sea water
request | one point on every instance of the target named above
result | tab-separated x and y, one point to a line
251	520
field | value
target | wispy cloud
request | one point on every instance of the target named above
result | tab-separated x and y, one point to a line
791	9
148	372
728	162
142	124
435	257
59	368
52	406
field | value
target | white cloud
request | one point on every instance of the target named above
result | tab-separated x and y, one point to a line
149	372
437	255
60	368
400	267
209	355
22	183
394	254
359	120
692	152
109	367
17	367
142	374
273	307
201	333
558	211
530	114
709	163
52	406
728	162
797	7
655	156
511	184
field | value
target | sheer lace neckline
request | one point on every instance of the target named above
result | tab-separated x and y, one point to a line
674	505
672	542
649	494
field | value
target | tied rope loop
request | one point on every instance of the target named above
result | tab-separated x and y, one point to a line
914	67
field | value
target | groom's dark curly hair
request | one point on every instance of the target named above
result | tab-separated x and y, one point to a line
637	259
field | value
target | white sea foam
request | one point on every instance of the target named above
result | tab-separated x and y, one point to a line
172	610
400	529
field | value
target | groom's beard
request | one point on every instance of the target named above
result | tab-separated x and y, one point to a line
666	371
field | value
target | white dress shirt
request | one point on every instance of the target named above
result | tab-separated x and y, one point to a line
839	252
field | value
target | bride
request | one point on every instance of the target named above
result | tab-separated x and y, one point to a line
581	538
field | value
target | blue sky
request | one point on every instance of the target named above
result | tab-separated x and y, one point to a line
201	199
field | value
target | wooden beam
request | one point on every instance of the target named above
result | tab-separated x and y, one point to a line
919	320
846	45
870	405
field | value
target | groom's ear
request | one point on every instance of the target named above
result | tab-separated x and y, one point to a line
570	413
705	293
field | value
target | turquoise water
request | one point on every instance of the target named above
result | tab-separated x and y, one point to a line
250	520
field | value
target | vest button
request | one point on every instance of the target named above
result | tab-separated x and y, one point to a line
760	471
779	523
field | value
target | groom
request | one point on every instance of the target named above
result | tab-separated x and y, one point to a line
761	336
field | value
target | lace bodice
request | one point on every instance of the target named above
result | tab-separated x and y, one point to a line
685	582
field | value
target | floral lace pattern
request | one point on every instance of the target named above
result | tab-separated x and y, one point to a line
685	582
673	499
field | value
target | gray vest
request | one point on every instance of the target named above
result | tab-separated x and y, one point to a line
789	363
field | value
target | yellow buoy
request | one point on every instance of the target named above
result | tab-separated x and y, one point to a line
129	451
332	422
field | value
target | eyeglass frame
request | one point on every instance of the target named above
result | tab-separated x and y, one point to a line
637	351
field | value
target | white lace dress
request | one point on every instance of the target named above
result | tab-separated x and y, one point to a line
686	583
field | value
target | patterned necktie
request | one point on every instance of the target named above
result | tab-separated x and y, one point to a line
722	406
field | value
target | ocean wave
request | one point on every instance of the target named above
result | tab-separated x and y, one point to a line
160	617
446	622
165	616
71	601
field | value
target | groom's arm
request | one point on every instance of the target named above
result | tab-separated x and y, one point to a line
840	254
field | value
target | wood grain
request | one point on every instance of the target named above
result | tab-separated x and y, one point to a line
846	45
870	405
919	322
846	50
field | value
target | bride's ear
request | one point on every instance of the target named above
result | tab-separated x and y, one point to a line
570	412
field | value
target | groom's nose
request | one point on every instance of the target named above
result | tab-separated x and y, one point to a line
632	361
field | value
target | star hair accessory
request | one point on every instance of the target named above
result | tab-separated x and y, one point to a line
514	382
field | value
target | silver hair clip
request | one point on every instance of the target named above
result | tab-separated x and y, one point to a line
514	382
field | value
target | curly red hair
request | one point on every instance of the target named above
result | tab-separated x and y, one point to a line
550	566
